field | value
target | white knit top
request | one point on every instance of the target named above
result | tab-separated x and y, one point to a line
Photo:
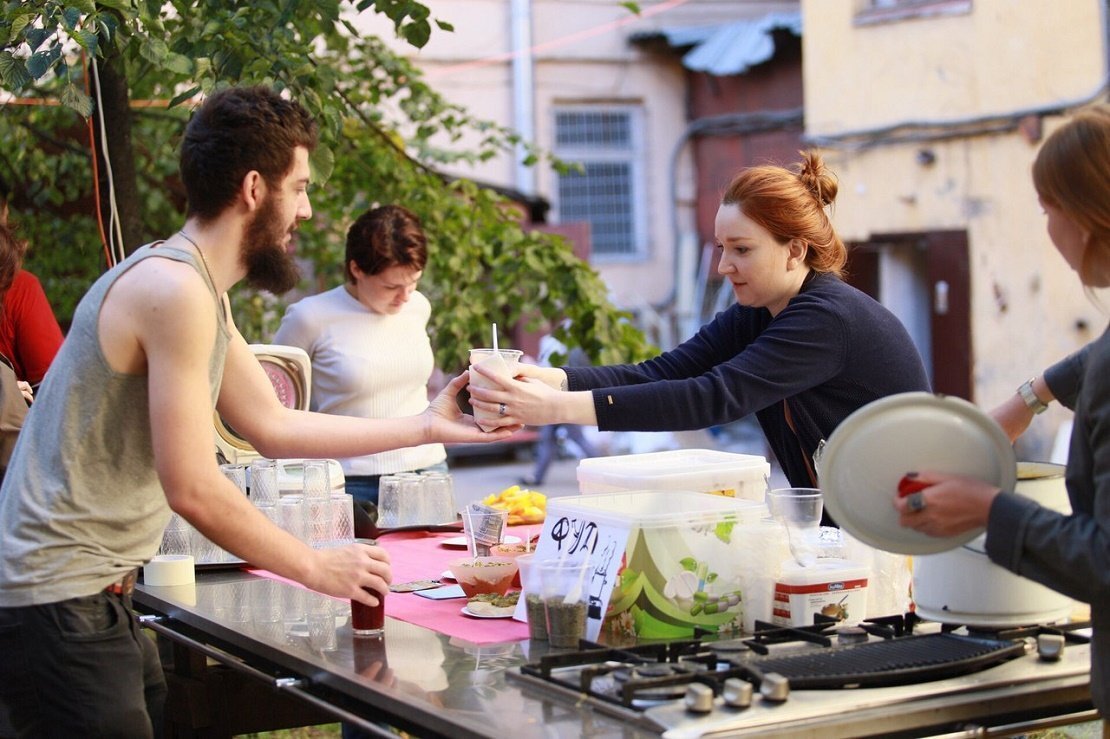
366	364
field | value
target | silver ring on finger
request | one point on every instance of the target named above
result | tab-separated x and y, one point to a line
501	410
916	501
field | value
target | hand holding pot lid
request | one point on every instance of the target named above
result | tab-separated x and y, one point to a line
869	454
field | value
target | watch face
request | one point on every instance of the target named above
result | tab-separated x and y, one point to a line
282	377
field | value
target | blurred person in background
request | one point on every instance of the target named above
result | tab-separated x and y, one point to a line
368	341
29	332
29	338
801	348
1069	553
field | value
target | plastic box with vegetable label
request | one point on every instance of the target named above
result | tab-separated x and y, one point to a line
700	470
685	565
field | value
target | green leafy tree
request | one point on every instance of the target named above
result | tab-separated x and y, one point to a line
132	68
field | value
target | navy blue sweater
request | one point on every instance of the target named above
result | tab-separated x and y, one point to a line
832	350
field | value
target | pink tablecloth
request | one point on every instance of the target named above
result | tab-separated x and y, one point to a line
420	555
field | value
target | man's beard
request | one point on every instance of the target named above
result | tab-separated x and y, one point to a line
268	266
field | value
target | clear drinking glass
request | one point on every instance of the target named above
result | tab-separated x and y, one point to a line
237	473
293	516
316	483
264	483
412	501
799	510
484	528
389	501
565	588
178	536
439	490
205	551
342	519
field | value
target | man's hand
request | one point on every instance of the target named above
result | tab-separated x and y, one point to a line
28	392
346	572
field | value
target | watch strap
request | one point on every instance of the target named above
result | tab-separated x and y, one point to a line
1034	403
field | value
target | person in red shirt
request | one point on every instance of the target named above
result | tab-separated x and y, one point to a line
29	332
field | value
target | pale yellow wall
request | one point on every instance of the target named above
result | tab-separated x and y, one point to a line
1004	56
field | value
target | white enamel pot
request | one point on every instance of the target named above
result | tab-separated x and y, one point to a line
963	586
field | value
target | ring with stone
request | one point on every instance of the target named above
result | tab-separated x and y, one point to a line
916	501
501	410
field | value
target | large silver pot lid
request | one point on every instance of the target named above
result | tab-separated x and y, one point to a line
861	464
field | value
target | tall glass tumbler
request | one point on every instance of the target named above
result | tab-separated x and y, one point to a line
237	473
264	483
389	501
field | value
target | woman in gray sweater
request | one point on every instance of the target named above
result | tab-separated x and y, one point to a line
1069	553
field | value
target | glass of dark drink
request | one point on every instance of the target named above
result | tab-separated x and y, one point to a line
368	620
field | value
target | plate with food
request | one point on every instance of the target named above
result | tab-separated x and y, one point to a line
491	605
459	542
524	506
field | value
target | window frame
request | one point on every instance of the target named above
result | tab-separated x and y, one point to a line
633	156
869	13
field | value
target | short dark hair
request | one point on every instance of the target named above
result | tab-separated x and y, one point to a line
236	131
384	237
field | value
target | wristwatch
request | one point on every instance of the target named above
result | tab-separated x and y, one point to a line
1034	403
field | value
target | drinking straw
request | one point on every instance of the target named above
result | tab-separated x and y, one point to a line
495	339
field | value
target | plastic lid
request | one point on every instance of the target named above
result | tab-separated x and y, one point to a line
864	459
669	465
826	569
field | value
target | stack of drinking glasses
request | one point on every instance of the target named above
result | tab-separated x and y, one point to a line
416	499
319	514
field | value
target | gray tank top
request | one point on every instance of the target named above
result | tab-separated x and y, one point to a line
81	503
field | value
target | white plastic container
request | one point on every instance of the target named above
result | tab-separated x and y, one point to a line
700	470
833	587
686	563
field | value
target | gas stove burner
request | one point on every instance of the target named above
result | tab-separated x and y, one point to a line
851	635
626	673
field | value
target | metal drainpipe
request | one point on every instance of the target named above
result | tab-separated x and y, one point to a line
523	91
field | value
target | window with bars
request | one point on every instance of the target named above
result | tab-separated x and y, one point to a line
879	11
604	141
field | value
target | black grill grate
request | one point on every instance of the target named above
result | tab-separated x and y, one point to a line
882	663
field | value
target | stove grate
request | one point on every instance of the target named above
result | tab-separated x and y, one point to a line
883	663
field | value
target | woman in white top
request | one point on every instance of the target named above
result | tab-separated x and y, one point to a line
368	340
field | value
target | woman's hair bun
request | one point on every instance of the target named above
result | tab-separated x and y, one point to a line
818	180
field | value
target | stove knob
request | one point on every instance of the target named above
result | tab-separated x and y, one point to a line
774	687
737	693
1050	647
699	698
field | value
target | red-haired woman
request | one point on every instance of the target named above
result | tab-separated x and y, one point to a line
801	348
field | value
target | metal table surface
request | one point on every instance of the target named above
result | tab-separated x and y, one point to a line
435	685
